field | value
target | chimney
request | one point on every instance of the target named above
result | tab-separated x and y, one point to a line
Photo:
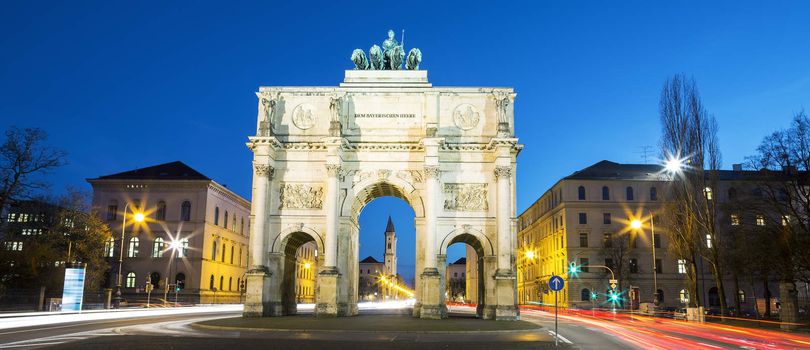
736	167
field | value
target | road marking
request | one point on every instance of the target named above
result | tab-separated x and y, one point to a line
711	346
560	336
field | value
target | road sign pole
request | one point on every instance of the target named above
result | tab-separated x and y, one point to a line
556	335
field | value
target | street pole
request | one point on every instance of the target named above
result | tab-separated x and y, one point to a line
655	267
121	258
556	335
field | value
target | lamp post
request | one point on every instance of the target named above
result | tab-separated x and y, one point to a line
175	246
636	224
138	217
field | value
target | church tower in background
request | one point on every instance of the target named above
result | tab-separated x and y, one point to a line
390	249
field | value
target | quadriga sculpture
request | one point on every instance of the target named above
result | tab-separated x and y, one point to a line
359	59
376	57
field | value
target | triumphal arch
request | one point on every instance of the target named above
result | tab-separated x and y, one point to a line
322	153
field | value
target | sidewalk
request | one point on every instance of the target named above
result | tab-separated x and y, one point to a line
368	323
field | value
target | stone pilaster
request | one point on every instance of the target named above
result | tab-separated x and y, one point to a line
504	205
329	278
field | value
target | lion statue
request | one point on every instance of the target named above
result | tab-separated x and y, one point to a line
359	59
414	58
394	58
375	57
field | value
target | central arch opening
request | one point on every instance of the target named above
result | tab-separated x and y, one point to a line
465	289
386	247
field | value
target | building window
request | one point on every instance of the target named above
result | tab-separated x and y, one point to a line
133	247
223	252
160	211
708	241
157	248
684	296
225	222
221	282
583	218
112	212
657	240
180	280
607	240
211	283
658	267
583	239
130	280
632	241
182	252
581	193
585	295
214	251
633	265
230	283
606	218
735	220
154	278
605	193
682	266
231	255
185	211
653	193
109	248
732	193
741	296
240	257
785	220
609	263
583	264
629	193
216	216
760	220
14	246
242	226
708	193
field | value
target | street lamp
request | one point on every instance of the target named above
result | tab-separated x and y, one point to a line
636	225
138	217
175	246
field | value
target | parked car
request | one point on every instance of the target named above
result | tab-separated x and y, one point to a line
679	313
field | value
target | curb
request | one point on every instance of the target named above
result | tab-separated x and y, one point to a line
254	329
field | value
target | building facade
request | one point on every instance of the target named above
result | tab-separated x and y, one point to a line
306	262
370	271
587	219
456	281
192	239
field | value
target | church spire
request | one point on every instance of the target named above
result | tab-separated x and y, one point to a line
390	226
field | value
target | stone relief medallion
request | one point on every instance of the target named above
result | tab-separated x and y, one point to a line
301	196
303	116
465	197
466	116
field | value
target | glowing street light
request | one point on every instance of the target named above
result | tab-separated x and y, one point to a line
673	165
307	266
138	217
635	224
573	269
530	254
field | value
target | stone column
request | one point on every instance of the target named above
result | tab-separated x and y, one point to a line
432	306
329	277
331	207
504	174
258	295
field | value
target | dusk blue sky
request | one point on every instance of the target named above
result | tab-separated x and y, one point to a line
121	85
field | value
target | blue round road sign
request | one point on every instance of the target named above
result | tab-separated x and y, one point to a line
556	283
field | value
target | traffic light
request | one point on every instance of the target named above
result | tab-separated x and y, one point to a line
614	297
594	296
242	285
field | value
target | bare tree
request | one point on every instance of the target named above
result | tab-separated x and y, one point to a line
24	155
690	133
618	248
785	157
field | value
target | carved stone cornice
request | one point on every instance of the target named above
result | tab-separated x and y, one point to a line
432	172
264	170
333	169
503	171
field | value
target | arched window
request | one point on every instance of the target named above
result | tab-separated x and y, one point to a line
684	296
109	248
214	250
240	255
226	220
133	247
231	255
211	283
605	193
221	282
216	215
223	252
581	193
130	280
732	193
230	283
157	248
629	193
741	296
160	211
653	193
180	279
585	295
242	226
660	296
185	211
708	193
